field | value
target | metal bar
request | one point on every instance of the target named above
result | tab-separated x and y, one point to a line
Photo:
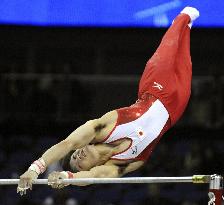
126	180
215	190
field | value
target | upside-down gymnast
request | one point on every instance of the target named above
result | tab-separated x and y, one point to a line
122	140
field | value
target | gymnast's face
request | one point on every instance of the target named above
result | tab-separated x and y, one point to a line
85	158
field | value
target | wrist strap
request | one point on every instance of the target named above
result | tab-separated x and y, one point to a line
69	175
38	166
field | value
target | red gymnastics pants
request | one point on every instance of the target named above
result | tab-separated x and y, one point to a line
168	72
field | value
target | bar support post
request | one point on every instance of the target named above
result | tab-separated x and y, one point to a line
215	190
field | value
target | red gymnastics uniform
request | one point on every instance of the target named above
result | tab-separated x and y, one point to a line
168	73
164	91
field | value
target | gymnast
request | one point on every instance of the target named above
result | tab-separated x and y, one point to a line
122	140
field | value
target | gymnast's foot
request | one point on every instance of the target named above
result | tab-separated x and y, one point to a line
192	12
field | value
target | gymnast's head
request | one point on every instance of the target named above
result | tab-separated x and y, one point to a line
85	158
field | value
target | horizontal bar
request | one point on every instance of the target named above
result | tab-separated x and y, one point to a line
125	180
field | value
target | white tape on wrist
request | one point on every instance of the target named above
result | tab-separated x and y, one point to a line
69	175
39	166
34	168
65	173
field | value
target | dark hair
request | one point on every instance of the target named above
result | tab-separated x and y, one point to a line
65	162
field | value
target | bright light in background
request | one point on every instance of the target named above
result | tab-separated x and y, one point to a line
159	13
114	13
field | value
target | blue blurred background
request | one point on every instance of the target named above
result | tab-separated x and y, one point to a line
124	13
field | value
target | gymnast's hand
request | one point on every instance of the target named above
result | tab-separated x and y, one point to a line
26	181
55	179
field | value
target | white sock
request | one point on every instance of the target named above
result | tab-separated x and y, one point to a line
192	12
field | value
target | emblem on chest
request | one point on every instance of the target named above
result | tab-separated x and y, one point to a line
140	132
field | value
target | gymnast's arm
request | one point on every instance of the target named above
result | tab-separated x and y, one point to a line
108	170
77	139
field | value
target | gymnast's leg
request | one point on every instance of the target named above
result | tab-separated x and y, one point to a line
183	75
161	67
